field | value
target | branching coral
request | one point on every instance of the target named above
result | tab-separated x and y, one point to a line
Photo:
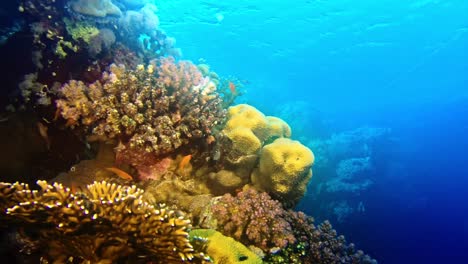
317	244
154	110
103	224
253	218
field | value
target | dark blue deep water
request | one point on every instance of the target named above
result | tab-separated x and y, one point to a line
388	78
378	89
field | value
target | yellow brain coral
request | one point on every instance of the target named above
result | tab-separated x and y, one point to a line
249	117
284	169
244	140
223	249
277	128
249	129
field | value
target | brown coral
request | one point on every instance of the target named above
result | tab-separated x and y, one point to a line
154	109
103	224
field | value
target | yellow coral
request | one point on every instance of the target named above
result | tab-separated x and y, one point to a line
249	128
244	140
223	249
284	169
277	128
61	44
104	224
247	116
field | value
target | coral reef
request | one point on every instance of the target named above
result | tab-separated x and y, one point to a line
223	249
103	224
105	102
284	170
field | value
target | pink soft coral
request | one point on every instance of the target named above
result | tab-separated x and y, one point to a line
181	76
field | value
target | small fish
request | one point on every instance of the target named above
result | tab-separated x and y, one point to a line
122	174
232	88
43	132
185	161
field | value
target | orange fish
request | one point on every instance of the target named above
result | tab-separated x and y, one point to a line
122	174
185	161
74	188
232	87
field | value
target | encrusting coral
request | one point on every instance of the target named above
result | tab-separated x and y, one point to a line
104	223
150	110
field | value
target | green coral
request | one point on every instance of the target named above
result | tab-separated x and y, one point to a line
61	52
223	249
81	30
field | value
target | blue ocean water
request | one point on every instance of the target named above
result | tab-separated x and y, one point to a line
377	89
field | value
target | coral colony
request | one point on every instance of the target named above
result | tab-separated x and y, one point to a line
166	169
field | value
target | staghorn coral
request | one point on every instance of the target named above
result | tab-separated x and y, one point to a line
103	224
152	110
253	218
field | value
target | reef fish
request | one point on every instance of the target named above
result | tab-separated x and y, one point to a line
232	88
122	174
185	162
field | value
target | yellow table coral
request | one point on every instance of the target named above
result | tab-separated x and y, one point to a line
284	169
